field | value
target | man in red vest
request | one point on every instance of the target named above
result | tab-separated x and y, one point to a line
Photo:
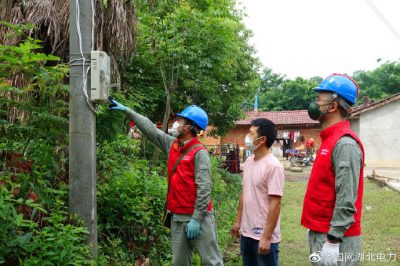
333	200
189	193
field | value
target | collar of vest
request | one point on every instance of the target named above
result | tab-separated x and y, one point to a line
186	146
327	132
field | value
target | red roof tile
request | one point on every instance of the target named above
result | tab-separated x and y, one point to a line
364	108
296	117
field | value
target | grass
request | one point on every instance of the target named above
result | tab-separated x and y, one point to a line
381	222
380	225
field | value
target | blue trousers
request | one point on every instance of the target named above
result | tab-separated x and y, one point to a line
250	256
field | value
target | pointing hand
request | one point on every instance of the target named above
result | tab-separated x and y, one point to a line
116	105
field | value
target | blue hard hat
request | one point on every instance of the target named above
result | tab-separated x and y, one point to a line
342	85
195	114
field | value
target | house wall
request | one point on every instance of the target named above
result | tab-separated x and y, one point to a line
310	133
207	139
355	125
237	135
210	140
380	133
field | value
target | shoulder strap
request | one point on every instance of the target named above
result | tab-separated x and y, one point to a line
179	160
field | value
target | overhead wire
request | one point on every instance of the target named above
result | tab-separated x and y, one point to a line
83	59
383	18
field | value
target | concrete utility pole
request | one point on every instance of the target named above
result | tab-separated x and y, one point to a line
82	123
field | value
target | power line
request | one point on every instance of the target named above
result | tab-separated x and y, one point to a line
382	18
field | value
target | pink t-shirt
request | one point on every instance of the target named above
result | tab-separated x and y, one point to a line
261	178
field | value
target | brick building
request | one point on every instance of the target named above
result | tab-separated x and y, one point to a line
290	124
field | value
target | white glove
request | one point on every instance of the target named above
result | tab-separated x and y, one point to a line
330	254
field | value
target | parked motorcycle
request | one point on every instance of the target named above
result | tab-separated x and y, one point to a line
300	158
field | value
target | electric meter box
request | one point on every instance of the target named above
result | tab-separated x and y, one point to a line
99	75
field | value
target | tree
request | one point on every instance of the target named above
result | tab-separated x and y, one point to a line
379	83
192	52
33	106
270	80
278	93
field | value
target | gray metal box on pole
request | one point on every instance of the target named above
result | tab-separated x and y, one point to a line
82	121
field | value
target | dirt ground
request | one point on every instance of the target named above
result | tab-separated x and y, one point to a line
389	176
296	176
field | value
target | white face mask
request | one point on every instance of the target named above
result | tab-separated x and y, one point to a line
248	141
174	130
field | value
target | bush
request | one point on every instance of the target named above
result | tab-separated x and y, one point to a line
130	207
14	230
59	243
22	241
226	192
117	154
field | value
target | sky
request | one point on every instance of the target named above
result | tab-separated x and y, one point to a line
308	38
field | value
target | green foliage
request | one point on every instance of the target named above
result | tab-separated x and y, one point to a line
379	83
130	204
130	207
278	93
116	154
13	228
33	106
36	228
225	196
112	251
59	242
109	124
201	50
270	80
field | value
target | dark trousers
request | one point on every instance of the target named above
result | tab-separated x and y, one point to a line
250	256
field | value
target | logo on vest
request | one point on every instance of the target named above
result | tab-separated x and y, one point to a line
315	257
324	151
186	158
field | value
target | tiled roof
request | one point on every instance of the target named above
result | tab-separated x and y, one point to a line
296	117
364	108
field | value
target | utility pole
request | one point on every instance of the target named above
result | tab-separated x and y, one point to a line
82	121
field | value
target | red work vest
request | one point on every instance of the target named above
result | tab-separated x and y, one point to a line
182	189
319	201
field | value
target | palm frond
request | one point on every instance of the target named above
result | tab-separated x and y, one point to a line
115	26
120	28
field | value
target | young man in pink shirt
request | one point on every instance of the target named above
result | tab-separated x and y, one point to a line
258	215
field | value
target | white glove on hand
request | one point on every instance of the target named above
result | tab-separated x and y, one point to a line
330	254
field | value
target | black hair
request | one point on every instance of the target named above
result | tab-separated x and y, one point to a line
265	128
